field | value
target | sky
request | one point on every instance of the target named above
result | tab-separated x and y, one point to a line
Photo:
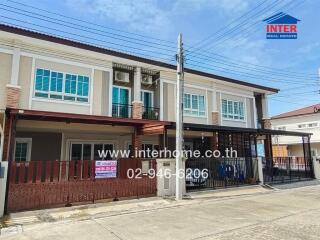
224	37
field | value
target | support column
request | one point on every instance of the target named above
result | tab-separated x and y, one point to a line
163	140
137	109
8	157
136	141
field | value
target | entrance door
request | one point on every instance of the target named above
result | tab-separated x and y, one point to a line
120	102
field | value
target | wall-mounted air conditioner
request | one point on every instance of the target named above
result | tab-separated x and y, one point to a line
121	76
146	79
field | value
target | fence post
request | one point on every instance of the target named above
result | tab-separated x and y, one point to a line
3	185
260	170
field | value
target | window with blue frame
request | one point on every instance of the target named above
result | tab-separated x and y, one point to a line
232	109
194	105
57	85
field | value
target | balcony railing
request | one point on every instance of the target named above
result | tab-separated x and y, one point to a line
121	110
151	113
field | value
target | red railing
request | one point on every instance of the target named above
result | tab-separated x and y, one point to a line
43	184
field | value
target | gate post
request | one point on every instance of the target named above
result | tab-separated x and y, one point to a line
3	185
166	179
260	170
316	167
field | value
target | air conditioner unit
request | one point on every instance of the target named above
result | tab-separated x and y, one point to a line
121	76
146	79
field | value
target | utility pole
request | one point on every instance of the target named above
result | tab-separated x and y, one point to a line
179	119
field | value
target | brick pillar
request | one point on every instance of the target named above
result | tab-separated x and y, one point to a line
136	141
266	124
137	110
13	95
215	118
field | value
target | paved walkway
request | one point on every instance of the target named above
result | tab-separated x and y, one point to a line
248	213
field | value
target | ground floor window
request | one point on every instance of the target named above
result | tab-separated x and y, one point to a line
23	150
90	151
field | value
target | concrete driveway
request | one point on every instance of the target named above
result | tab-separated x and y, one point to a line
266	214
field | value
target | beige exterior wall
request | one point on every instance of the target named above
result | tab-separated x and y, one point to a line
5	76
78	61
24	81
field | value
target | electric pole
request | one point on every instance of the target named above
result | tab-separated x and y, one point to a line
179	119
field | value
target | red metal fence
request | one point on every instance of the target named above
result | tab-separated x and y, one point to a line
43	184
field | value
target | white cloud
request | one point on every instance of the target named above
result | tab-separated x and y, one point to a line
143	15
151	15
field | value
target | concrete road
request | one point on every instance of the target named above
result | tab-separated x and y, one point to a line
285	214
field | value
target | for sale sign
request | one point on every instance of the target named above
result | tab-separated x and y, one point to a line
106	169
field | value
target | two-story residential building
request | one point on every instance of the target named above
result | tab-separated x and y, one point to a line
305	119
63	101
64	81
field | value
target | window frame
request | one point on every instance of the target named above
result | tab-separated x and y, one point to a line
63	94
225	116
88	142
189	112
29	147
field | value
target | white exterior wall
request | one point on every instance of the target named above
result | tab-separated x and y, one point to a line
294	143
292	123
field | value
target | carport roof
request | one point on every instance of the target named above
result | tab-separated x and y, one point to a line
212	128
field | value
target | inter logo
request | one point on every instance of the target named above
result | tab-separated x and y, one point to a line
281	26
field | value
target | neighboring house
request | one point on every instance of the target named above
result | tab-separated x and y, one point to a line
301	120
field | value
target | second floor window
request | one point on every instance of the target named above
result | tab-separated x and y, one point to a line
57	85
194	105
232	109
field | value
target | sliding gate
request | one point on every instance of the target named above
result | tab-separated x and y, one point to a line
212	173
287	169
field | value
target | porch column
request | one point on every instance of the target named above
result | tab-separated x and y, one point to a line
9	137
163	140
307	154
265	112
13	89
3	173
8	157
214	141
136	141
137	110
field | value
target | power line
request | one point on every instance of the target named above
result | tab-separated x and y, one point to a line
82	36
227	70
223	28
251	68
238	42
237	27
88	22
247	25
85	28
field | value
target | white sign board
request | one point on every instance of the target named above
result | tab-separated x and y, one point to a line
106	169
